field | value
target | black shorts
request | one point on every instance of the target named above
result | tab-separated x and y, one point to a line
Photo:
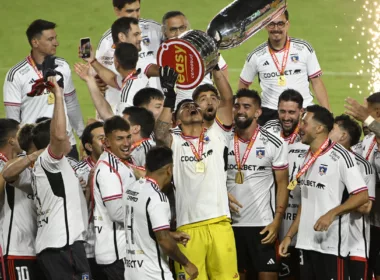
96	270
267	115
69	262
114	271
357	268
290	266
374	252
251	253
318	266
21	268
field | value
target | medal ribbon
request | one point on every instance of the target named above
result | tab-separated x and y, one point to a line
33	64
284	59
247	151
370	148
141	168
137	144
293	136
151	180
198	155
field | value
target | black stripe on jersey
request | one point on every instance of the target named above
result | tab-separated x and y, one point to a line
97	185
366	164
302	42
273	139
105	35
160	194
11	203
153	236
364	237
14	70
80	165
110	161
345	154
125	91
339	235
259	48
147	146
115	240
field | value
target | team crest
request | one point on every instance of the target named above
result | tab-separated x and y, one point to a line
85	276
181	276
206	140
294	58
146	41
322	169
260	153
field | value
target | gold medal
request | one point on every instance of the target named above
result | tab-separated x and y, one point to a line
292	185
282	81
239	178
51	98
200	167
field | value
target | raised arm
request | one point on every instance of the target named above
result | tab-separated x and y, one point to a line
226	97
320	92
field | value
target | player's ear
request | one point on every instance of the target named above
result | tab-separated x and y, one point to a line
136	129
258	113
121	37
88	147
117	11
107	142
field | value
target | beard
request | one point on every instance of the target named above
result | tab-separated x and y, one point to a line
243	124
288	131
209	116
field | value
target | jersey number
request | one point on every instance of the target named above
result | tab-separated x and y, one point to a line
22	272
129	223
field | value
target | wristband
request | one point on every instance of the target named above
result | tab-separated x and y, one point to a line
368	121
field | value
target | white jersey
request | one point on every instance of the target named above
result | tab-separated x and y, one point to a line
18	83
274	127
61	205
360	224
151	40
302	65
82	171
111	178
257	193
188	93
147	211
139	151
326	185
200	196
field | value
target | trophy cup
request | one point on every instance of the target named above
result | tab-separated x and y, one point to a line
195	53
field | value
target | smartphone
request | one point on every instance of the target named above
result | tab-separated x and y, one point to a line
85	47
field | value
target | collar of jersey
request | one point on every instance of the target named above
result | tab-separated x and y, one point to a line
331	144
281	50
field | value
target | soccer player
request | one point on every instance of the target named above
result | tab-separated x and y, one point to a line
347	132
20	79
149	32
61	206
257	163
151	99
200	179
92	142
283	62
147	220
174	23
142	125
111	178
331	187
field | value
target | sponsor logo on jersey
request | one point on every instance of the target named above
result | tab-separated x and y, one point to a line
32	81
276	129
266	63
260	152
294	58
133	263
301	152
192	158
312	184
322	169
276	74
334	156
247	167
146	54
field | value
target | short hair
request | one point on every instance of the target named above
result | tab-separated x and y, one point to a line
250	93
42	119
121	3
41	134
7	127
286	13
122	25
374	98
143	118
180	104
25	137
351	126
145	95
158	157
291	95
204	88
171	14
127	55
36	28
115	123
322	115
87	136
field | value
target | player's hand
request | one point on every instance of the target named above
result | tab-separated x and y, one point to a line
324	222
83	71
53	86
191	270
234	204
180	237
87	59
283	248
272	231
354	109
168	78
101	84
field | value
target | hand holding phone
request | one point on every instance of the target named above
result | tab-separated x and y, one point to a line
85	47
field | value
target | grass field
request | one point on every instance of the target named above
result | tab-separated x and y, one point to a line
320	22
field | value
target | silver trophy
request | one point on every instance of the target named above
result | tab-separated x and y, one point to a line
240	20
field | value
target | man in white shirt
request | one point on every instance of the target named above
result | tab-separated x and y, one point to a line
61	206
147	220
331	186
20	79
283	63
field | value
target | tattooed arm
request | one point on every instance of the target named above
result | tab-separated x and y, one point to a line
162	128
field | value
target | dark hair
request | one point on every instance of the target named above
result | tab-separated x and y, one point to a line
204	88
25	137
7	127
145	95
36	28
122	25
42	119
286	13
322	115
143	118
41	134
374	98
115	123
351	126
171	14
121	3
127	55
87	136
291	95
180	104
158	157
250	93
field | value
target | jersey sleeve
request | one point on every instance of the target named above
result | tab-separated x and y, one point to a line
313	68
350	175
103	47
109	182
222	63
249	70
159	212
280	157
50	161
370	180
12	94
